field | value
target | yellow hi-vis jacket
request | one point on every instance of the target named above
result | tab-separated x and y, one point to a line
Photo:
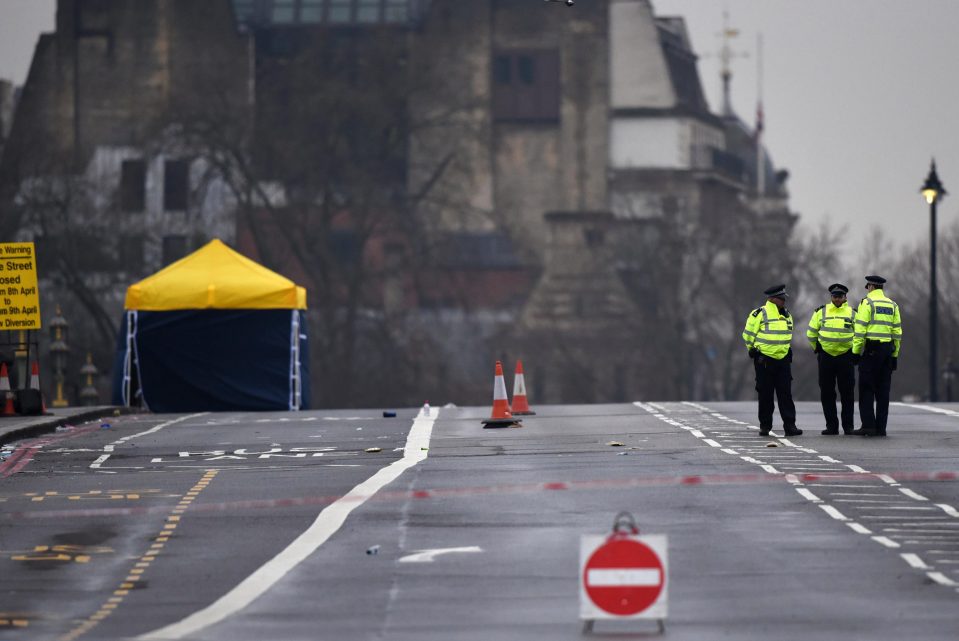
877	319
769	331
832	327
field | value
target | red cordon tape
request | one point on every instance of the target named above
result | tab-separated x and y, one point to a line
525	488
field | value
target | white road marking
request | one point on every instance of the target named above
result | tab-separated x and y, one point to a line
914	561
798	467
941	578
861	529
109	448
857	494
892	499
427	556
885	478
948	509
834	513
928	408
329	520
885	540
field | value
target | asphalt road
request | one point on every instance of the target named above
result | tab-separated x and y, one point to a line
241	527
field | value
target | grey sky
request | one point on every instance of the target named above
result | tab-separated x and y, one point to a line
857	93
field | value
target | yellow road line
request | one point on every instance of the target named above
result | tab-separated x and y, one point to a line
135	573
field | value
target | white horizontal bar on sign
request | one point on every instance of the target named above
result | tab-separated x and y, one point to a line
615	577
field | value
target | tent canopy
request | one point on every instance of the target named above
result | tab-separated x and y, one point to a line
214	277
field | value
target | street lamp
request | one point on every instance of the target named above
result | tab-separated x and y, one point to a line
933	191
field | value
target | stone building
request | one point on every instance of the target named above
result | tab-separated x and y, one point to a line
514	178
102	101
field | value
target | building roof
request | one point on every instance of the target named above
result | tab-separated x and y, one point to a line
681	63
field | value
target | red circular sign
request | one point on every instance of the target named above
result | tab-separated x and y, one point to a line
623	576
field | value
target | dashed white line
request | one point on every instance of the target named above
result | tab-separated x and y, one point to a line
941	578
912	495
885	540
948	509
834	513
861	529
808	495
914	561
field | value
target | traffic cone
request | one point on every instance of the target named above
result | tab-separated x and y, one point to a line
5	390
35	384
501	415
520	404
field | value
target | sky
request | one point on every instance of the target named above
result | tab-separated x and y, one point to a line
858	97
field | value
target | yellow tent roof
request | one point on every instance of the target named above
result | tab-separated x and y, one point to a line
215	277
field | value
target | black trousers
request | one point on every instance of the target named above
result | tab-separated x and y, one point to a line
775	376
875	379
837	371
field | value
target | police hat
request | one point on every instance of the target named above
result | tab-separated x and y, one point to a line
876	280
776	291
838	289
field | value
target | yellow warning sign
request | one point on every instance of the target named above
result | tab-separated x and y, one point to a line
20	307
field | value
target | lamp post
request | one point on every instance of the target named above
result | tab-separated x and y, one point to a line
933	191
949	374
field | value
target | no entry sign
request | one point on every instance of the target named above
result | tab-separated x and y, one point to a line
623	576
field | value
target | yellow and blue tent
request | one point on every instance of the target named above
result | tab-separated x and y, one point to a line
214	331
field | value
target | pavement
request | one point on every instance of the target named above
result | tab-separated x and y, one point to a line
16	428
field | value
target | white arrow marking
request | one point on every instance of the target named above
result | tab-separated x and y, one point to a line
427	556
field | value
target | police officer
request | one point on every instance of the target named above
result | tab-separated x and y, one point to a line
767	335
830	334
877	337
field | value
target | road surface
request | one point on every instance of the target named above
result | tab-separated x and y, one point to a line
348	525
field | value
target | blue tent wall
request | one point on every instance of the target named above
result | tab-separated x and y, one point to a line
214	360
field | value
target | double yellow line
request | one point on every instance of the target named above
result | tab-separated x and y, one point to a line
143	563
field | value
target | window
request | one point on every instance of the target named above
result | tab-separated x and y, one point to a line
130	253
340	11
526	86
594	237
311	11
283	12
174	248
396	11
176	185
368	11
133	175
243	9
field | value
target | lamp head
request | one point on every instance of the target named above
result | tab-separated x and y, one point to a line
932	190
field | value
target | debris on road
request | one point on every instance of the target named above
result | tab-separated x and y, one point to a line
773	444
373	449
389	414
614	444
373	549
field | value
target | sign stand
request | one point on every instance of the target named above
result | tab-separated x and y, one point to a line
623	575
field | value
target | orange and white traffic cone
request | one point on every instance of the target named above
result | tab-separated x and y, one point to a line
501	415
35	383
520	404
5	390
